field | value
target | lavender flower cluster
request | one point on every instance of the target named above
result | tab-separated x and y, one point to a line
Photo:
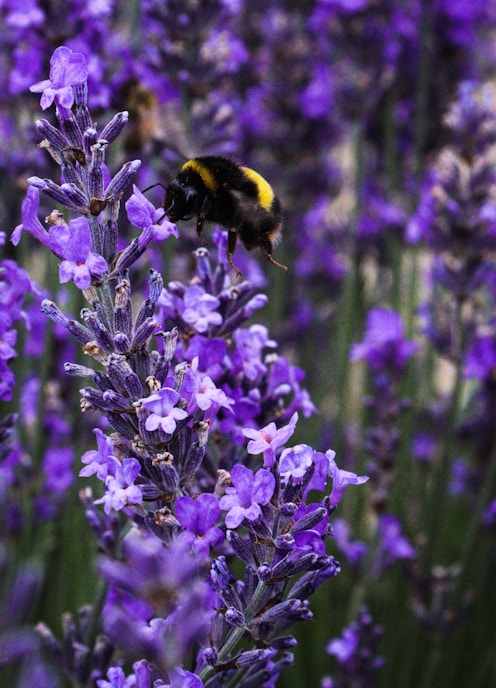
173	604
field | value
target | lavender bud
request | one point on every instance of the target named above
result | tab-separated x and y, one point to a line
253	657
78	370
293	609
48	638
210	656
146	311
241	548
110	235
90	138
144	332
234	617
114	206
156	284
292	565
75	194
292	492
80	332
72	132
128	256
170	342
112	130
283	642
51	134
133	385
161	369
103	650
203	263
94	399
179	374
123	310
220	574
261	528
122	425
76	329
54	313
176	288
117	371
284	541
70	176
54	191
194	458
80	94
102	314
96	231
264	572
202	427
95	177
122	342
141	362
83	116
309	520
219	630
250	584
288	510
168	478
311	581
150	492
101	381
223	481
149	437
116	402
123	178
102	335
254	304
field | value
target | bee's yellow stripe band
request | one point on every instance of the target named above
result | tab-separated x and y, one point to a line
206	175
264	189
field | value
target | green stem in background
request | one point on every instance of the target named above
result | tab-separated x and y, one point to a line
422	92
431	668
280	287
394	242
412	388
436	509
95	627
347	321
350	311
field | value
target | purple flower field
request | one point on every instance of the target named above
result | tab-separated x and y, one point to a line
215	472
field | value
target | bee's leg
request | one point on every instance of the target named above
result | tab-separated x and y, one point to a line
232	237
266	247
205	207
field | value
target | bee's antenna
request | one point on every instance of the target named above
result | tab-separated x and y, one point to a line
153	186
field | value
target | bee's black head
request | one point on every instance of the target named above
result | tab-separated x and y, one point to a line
180	201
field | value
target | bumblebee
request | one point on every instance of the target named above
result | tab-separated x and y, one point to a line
216	189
